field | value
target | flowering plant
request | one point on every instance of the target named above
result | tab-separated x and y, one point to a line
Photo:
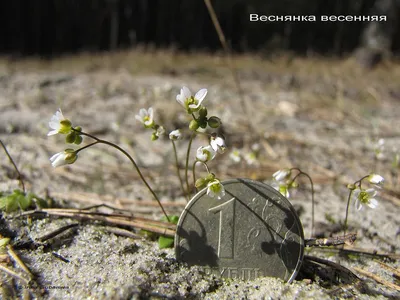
193	105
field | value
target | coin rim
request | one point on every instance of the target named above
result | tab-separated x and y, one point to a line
241	180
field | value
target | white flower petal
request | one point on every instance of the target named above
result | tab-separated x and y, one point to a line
201	94
186	92
375	179
235	155
373	203
53	132
358	204
356	193
55	123
183	95
281	175
218	144
215	189
175	135
142	113
205	153
371	192
150	113
58	160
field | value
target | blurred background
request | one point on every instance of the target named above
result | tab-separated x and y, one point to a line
50	28
322	96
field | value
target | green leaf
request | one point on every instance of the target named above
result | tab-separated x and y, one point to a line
16	200
150	235
165	242
172	219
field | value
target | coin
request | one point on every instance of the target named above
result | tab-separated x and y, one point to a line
252	231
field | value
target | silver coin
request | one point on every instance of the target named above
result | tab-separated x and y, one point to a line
252	231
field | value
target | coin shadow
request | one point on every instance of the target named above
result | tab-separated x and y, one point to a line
285	253
288	212
279	244
194	248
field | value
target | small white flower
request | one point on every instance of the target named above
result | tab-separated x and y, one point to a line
205	153
251	158
189	102
160	131
235	155
66	157
146	117
365	197
376	179
175	135
379	148
218	143
215	189
282	174
255	147
59	124
281	188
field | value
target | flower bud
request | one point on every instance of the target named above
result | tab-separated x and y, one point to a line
351	186
294	185
70	138
202	122
70	156
201	183
154	136
375	179
214	122
203	112
194	125
210	177
78	139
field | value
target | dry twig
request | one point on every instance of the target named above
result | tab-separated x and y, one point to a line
159	227
377	279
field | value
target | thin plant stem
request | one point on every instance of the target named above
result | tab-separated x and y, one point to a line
357	183
347	212
312	197
21	181
177	170
187	164
131	160
194	170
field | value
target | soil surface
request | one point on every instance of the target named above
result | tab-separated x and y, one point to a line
325	117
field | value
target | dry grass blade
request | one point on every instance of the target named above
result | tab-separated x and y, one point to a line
92	198
396	272
13	274
377	278
359	252
159	227
16	258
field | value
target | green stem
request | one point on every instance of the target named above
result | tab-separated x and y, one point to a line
131	160
347	212
194	169
177	170
358	182
312	197
187	163
21	181
194	172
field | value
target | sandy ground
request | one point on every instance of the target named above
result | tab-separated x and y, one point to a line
322	116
